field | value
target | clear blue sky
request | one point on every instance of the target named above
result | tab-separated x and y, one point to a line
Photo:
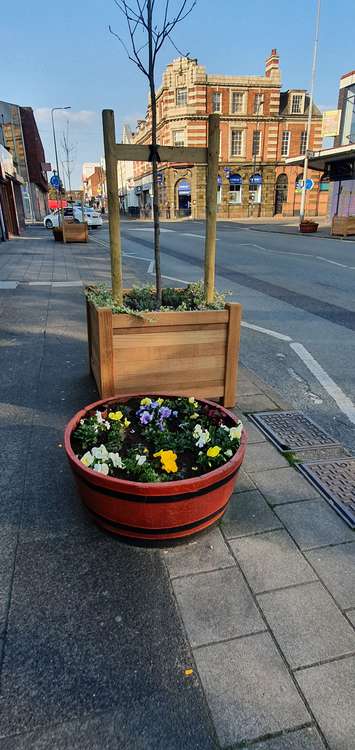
63	54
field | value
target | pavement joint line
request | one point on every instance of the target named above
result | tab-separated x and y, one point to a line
343	402
245	744
322	662
229	640
289	586
202	573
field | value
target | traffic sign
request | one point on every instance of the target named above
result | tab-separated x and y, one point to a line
55	181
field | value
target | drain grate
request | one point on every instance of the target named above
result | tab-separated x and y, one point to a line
336	481
291	430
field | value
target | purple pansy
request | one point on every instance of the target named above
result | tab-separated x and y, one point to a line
145	417
164	412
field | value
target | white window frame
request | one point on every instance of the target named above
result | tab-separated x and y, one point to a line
242	107
175	133
239	130
258	110
219	94
219	195
301	98
177	95
285	152
258	152
235	194
303	142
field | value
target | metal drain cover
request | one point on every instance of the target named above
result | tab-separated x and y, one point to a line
291	430
336	481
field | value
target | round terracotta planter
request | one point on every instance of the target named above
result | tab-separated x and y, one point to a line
152	512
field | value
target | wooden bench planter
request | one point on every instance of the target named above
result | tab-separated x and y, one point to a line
186	353
343	225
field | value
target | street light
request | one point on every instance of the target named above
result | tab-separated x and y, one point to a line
309	121
54	109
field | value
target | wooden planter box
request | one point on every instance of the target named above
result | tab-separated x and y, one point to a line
343	225
75	231
185	353
306	227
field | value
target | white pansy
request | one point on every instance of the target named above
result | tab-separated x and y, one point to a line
224	427
100	453
228	453
235	433
197	431
87	459
107	425
203	439
82	421
101	468
141	460
99	417
116	460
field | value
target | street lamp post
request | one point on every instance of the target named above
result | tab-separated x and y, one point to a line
54	109
309	121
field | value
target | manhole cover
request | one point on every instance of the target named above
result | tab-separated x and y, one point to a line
336	481
291	430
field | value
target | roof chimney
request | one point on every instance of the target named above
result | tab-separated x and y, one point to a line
272	66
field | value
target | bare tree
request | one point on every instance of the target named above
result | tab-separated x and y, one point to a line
69	151
150	23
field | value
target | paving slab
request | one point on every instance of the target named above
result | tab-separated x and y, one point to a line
330	692
243	483
307	624
263	456
314	524
271	561
351	616
249	690
283	486
207	552
303	739
93	626
248	513
257	402
336	567
216	606
254	434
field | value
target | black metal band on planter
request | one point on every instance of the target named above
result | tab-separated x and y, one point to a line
119	495
175	529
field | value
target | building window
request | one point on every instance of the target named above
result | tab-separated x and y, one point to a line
217	102
255	182
237	143
219	195
258	104
235	189
237	102
297	104
285	143
256	142
179	138
303	143
181	97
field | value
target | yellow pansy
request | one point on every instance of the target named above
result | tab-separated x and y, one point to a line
194	416
160	401
235	433
126	422
214	451
146	401
115	415
168	460
193	402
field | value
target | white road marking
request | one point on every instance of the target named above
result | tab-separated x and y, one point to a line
343	402
147	229
335	263
273	252
274	334
151	267
172	278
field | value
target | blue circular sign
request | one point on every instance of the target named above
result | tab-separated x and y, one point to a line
55	181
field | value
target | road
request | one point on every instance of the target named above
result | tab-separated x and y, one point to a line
298	296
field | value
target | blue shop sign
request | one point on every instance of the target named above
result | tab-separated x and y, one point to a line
235	179
184	187
255	179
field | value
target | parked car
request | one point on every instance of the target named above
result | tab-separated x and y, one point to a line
91	216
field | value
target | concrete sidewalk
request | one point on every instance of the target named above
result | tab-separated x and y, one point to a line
98	638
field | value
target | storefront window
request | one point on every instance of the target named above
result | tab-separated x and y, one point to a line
255	183
235	188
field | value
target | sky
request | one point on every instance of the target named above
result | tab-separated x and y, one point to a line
62	54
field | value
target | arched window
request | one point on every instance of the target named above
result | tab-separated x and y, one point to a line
235	188
255	183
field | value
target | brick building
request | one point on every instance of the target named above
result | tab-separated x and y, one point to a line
260	127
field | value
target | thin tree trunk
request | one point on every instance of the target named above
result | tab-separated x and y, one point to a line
154	159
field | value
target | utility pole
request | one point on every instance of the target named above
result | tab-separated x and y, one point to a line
309	121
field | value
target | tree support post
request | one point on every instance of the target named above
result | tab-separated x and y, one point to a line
211	205
108	122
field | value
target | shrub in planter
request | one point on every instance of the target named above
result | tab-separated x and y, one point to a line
155	467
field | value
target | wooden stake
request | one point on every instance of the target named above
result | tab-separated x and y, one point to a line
108	122
211	205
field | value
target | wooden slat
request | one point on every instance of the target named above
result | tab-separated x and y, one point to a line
193	317
177	154
159	381
175	352
211	363
232	354
170	339
168	329
212	391
105	351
